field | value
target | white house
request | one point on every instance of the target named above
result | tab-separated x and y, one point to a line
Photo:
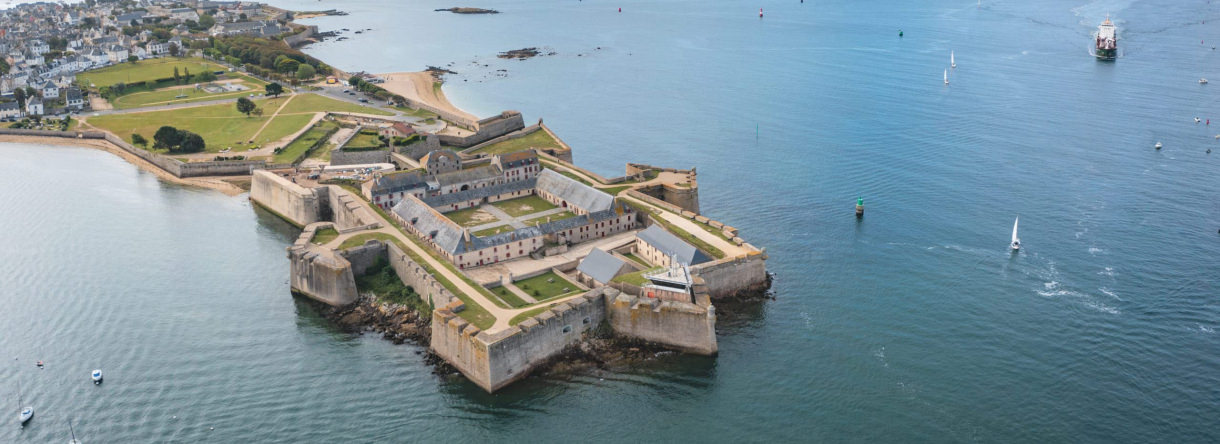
157	48
50	91
10	109
74	99
33	107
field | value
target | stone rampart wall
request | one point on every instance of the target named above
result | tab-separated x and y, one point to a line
510	136
418	278
731	277
417	150
342	157
685	326
516	352
319	273
364	256
348	211
489	128
290	201
565	152
298	39
456	341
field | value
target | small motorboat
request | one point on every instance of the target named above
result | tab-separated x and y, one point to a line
1197	120
97	376
39	364
1157	146
1202	81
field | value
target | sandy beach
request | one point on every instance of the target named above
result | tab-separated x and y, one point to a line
418	86
215	183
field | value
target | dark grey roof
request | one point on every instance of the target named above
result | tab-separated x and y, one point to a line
478	193
575	193
600	265
461	176
393	183
444	232
9	106
665	241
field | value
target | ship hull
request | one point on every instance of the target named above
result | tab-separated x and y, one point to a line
1106	54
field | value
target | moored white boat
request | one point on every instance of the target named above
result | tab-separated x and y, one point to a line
97	376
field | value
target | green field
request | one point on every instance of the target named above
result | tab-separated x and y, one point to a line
363	140
547	286
637	259
537	139
170	96
552	218
145	70
220	125
509	297
522	206
471	217
313	103
636	278
298	147
613	191
325	235
493	230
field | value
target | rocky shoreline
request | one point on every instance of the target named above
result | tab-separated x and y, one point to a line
599	349
523	53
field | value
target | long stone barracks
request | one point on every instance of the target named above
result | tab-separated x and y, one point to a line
518	253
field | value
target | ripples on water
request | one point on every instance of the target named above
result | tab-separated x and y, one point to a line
914	324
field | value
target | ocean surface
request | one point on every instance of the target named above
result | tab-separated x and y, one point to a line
914	324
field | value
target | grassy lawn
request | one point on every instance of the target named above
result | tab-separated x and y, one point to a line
381	280
298	147
551	218
636	278
574	177
522	206
474	313
325	235
529	314
145	70
220	125
312	103
471	217
509	297
363	140
421	113
494	230
547	286
537	139
169	96
613	191
638	260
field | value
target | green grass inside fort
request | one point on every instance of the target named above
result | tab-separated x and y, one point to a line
522	206
474	313
145	71
325	235
364	140
381	280
538	139
636	278
309	103
550	218
494	230
298	147
547	286
509	297
529	314
637	259
471	217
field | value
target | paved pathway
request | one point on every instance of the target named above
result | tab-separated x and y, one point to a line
730	249
504	217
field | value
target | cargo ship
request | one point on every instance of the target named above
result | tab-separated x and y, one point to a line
1106	41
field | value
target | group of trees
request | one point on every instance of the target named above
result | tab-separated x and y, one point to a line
267	58
175	140
247	107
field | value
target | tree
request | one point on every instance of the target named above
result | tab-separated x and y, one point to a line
306	72
19	94
206	76
173	49
167	137
177	77
191	142
242	17
137	139
245	106
274	89
206	21
186	76
132	58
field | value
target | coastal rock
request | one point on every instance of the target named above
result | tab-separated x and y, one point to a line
520	54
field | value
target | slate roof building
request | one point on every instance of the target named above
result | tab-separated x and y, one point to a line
602	267
662	248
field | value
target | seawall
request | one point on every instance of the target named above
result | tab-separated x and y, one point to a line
734	276
295	203
684	326
319	273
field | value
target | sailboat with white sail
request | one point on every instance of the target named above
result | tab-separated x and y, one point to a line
952	63
946	77
1016	241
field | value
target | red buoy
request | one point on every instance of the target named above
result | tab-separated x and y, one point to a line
759	12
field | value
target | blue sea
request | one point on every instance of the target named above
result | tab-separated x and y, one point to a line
913	324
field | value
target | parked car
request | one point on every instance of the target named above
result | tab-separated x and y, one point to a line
364	100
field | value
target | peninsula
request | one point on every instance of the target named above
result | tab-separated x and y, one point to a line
481	231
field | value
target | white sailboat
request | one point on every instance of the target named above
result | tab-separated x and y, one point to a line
1016	242
73	432
952	63
946	77
26	412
